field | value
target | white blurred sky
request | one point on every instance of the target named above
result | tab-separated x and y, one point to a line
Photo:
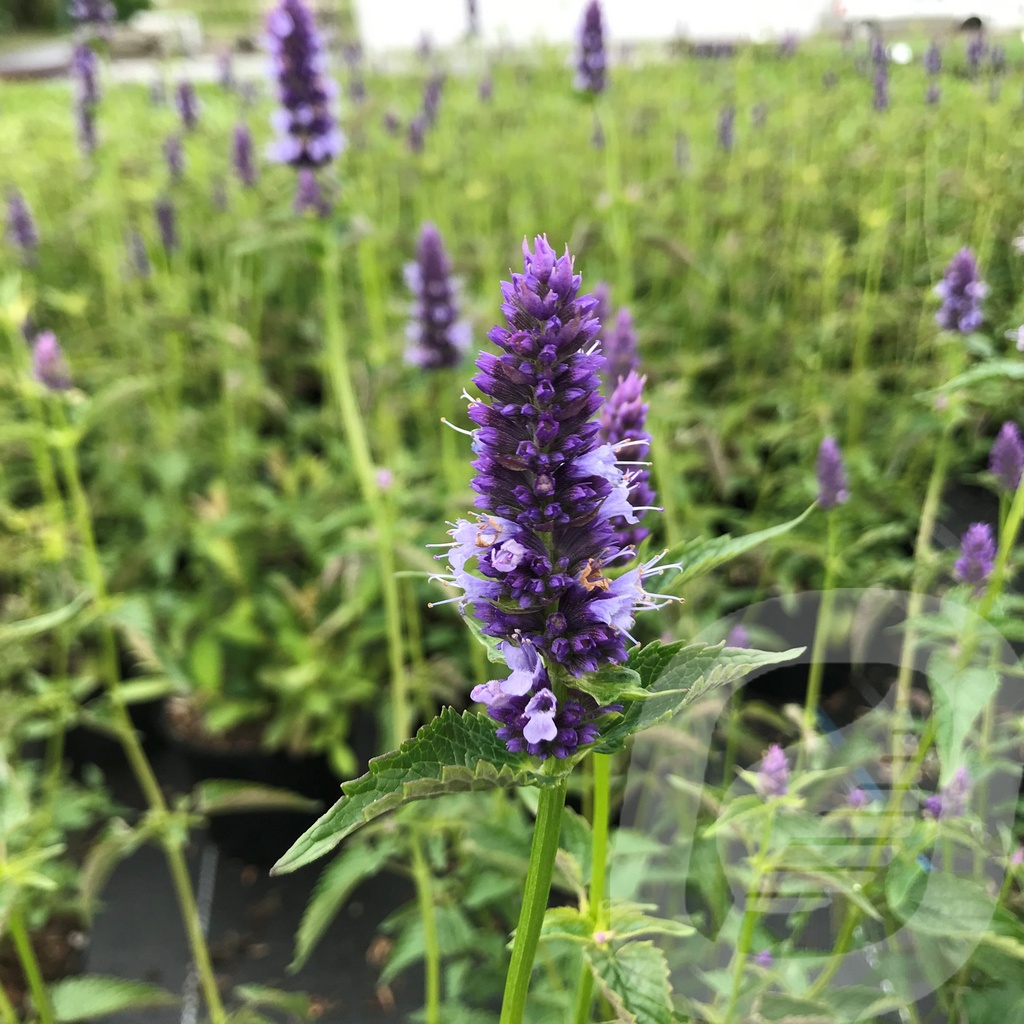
401	23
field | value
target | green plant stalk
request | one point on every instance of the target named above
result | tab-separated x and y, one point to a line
7	1012
922	551
30	965
601	766
618	219
348	409
139	763
750	918
546	832
431	949
821	631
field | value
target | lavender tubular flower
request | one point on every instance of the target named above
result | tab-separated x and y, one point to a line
773	778
619	348
548	492
85	71
591	62
977	556
417	134
437	338
933	59
952	801
243	155
726	128
21	226
48	366
187	102
880	96
831	475
623	419
226	70
138	258
432	98
1006	460
976	49
307	130
167	224
933	95
92	14
309	196
961	291
174	155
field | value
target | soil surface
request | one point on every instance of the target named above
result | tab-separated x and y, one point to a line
60	948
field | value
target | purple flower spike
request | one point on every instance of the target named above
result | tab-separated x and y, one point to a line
48	366
738	636
187	102
857	798
976	50
437	338
226	70
21	226
243	155
952	801
308	195
831	474
773	778
977	556
96	15
306	122
1006	460
485	90
138	258
85	72
727	128
174	155
548	492
432	98
591	62
933	59
391	123
623	419
167	224
880	97
619	348
764	958
961	291
933	95
417	133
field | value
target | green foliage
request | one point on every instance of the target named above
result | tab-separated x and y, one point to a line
91	996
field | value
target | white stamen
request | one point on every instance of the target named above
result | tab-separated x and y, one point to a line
458	430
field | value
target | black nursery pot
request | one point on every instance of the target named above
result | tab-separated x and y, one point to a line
261	837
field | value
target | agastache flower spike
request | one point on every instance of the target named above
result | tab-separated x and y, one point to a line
174	155
167	224
623	421
1006	460
308	135
619	348
961	291
85	69
977	556
933	59
530	565
243	155
21	226
831	474
48	366
591	62
187	102
437	338
952	801
726	128
773	778
96	15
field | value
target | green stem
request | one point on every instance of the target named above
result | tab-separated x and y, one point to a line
601	765
30	966
751	914
535	901
7	1012
362	459
130	742
432	952
922	552
821	632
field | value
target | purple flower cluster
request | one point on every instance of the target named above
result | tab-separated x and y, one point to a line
167	224
727	128
243	155
976	50
437	338
591	61
933	94
85	71
952	801
977	556
48	366
623	427
174	155
548	492
187	102
933	59
619	348
21	226
92	14
1006	460
831	474
961	291
307	129
773	776
880	96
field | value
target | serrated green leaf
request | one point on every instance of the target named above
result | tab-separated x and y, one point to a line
92	995
296	1003
1003	369
634	980
566	924
614	683
676	675
699	557
15	632
335	885
946	906
786	1009
452	754
630	920
232	796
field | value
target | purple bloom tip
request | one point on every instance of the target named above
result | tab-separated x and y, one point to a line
961	291
831	474
977	556
773	777
1006	460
